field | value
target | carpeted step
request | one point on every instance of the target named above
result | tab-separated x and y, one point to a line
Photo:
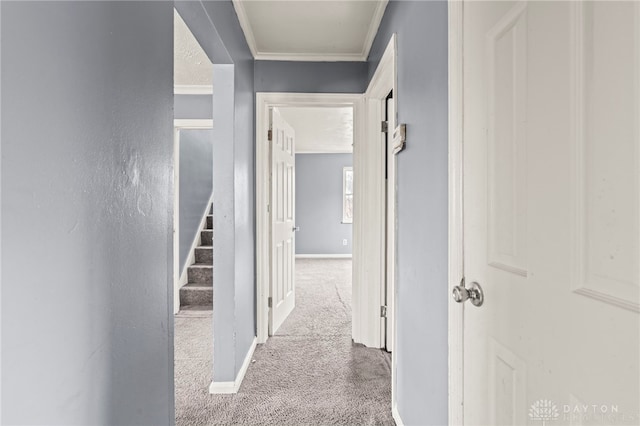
200	274
209	222
196	295
204	255
206	237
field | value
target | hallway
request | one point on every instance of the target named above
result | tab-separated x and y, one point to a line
308	373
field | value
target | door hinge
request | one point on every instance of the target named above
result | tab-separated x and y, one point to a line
270	135
269	301
268	208
383	311
384	127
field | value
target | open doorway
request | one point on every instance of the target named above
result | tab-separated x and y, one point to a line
320	232
326	127
193	220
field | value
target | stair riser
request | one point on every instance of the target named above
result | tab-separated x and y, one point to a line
204	256
206	238
209	222
200	275
196	297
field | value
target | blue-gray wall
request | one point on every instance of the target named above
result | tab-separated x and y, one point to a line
422	288
87	213
196	184
319	204
192	106
310	77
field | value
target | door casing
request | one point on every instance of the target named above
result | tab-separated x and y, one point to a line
379	247
265	101
456	242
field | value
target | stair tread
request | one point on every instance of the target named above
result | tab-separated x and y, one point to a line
204	248
203	286
201	265
195	311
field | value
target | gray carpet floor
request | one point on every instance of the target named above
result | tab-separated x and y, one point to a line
309	373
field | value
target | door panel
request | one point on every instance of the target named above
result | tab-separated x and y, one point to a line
551	216
282	221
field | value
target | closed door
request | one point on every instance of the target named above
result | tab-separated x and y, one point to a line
282	209
551	212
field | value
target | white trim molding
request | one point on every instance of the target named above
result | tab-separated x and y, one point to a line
264	102
374	249
456	242
193	123
323	256
189	89
361	56
234	387
398	419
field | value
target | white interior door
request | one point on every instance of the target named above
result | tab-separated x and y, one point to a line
282	292
551	212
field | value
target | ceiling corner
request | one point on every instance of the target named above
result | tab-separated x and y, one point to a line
374	27
246	27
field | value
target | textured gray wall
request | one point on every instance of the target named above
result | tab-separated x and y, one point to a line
310	77
192	106
87	159
319	204
422	288
196	184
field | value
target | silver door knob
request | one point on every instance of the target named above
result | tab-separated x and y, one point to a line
295	229
473	293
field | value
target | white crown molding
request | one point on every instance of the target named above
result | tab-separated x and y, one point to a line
245	24
192	89
311	57
233	387
373	28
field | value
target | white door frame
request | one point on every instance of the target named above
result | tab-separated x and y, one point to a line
456	241
265	101
180	124
372	161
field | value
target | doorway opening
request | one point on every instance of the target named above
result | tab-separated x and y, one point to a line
305	146
276	189
193	220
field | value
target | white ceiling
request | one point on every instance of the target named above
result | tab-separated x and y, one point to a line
191	65
310	30
321	130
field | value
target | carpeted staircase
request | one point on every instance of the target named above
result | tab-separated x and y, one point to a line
197	294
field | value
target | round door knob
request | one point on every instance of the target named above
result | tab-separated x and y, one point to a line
460	294
473	293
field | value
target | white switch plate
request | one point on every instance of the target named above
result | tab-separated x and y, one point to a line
344	242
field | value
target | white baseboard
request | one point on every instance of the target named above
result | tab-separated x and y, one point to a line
396	416
233	387
193	89
323	256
